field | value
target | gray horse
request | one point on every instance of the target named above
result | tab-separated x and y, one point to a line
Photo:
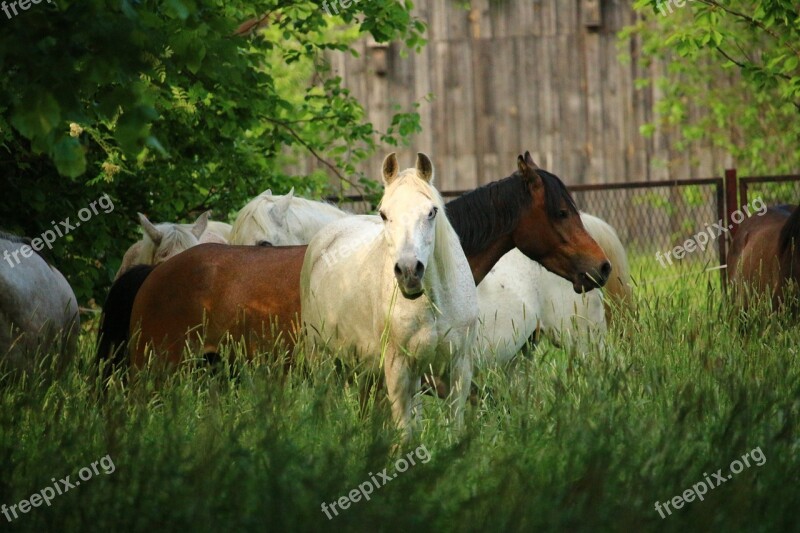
38	310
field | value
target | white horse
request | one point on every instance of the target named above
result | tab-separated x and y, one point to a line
38	310
519	296
269	220
398	290
162	241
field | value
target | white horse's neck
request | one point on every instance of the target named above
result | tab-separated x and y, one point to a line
447	264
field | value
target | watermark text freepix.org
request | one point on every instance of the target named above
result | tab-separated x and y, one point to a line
668	4
701	488
345	4
700	240
367	488
48	494
48	237
24	5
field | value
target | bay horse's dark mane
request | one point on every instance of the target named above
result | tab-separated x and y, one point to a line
493	210
791	232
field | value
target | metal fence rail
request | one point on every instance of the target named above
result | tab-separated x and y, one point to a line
771	189
652	217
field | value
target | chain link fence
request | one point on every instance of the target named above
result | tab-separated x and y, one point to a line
652	217
773	190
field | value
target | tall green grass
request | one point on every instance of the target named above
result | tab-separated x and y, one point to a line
558	440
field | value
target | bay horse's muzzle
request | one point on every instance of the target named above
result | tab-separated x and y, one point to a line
593	280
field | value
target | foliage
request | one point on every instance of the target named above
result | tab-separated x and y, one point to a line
161	106
732	78
557	442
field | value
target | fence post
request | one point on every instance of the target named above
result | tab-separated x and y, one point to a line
722	244
731	205
731	200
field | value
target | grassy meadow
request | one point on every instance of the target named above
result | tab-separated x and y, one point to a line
559	441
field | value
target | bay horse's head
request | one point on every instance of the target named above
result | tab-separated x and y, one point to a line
550	230
410	210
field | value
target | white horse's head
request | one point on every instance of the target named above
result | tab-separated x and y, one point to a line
165	240
274	220
414	220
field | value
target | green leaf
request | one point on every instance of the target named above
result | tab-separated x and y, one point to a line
37	115
69	157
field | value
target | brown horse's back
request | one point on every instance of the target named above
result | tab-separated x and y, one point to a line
210	290
756	258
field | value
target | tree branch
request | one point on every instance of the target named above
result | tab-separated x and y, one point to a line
313	152
750	20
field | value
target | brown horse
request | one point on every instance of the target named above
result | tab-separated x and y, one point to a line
209	292
247	292
765	258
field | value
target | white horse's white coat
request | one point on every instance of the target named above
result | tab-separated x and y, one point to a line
162	241
367	298
281	220
519	295
38	310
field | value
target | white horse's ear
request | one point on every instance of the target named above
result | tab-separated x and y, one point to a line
424	167
152	231
278	212
200	224
268	192
390	168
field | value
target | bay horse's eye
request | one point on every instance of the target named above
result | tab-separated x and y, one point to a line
383	216
433	212
263	243
563	213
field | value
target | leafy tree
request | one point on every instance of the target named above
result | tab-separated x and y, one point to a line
172	108
732	77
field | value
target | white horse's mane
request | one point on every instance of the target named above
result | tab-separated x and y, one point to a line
605	235
447	241
304	217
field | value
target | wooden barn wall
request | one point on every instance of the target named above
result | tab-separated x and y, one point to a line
506	76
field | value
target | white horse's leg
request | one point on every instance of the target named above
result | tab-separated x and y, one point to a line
400	387
460	383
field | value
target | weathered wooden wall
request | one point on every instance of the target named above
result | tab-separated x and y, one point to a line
510	75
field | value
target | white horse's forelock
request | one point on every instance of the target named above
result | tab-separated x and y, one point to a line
304	219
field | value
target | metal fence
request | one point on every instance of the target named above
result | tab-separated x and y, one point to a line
652	217
772	190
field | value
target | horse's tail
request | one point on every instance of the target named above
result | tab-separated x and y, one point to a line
790	233
116	318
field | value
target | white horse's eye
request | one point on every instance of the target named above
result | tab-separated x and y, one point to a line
433	212
383	216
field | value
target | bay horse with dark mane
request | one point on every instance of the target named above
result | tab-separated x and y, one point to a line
764	258
210	293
